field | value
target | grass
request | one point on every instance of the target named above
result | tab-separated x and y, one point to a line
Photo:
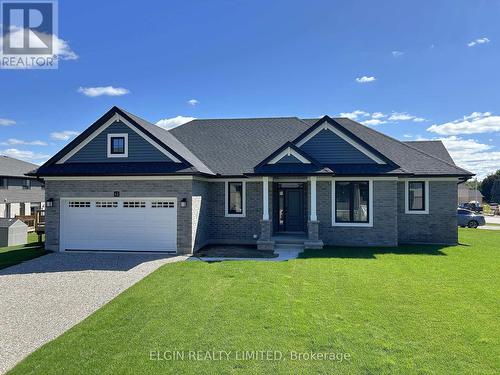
16	254
411	310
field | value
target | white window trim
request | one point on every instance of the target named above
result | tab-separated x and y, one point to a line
369	224
287	152
327	126
243	198
407	197
118	135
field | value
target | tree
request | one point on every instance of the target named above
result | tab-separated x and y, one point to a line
495	191
487	184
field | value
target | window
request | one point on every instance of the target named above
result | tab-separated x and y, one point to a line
352	200
3	183
167	204
106	204
117	145
79	204
235	198
417	197
134	204
27	184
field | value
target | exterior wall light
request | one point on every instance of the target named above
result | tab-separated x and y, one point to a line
184	203
50	202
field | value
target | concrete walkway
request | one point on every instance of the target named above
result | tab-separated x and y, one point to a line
42	298
283	255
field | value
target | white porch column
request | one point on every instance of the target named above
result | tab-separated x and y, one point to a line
265	198
313	199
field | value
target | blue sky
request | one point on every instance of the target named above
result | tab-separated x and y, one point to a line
402	67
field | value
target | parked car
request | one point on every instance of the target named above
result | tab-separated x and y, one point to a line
472	206
467	218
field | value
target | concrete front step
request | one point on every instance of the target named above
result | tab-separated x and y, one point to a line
289	246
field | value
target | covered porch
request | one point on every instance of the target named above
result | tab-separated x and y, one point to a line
289	213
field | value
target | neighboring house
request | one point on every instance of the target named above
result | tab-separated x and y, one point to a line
466	195
19	194
127	185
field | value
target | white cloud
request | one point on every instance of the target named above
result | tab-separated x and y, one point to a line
6	122
478	41
365	79
354	114
170	123
24	155
193	102
403	116
64	135
373	121
103	90
397	53
475	123
472	155
14	141
407	135
61	47
378	115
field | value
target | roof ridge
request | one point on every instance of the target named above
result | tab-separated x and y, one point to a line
413	148
244	118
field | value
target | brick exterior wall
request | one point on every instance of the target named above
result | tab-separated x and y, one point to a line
440	225
151	188
203	220
384	230
235	229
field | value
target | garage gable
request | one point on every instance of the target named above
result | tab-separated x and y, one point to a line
138	148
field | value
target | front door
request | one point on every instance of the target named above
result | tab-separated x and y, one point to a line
291	208
294	210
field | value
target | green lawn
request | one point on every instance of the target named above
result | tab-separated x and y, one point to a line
413	310
16	254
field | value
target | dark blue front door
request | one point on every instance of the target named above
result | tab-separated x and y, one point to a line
294	210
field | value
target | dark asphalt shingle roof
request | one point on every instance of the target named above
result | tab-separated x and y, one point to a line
236	146
434	148
10	167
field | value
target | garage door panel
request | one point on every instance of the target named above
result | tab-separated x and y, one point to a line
129	224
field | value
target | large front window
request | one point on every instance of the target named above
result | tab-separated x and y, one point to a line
235	198
352	201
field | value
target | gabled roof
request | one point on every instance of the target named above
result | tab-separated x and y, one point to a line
189	162
10	167
291	147
234	147
410	159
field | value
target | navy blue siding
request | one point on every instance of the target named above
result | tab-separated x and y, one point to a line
289	159
139	150
328	148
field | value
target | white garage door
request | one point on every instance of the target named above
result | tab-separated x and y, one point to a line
125	224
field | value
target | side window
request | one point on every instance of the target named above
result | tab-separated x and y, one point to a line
235	198
3	183
417	197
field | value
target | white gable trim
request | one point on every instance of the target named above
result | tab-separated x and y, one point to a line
287	152
116	118
326	126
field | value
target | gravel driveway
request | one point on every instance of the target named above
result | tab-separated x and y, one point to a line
42	298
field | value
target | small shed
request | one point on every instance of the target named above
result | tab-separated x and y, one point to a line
13	232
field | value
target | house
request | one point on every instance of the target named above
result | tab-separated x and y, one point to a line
466	195
125	184
19	195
